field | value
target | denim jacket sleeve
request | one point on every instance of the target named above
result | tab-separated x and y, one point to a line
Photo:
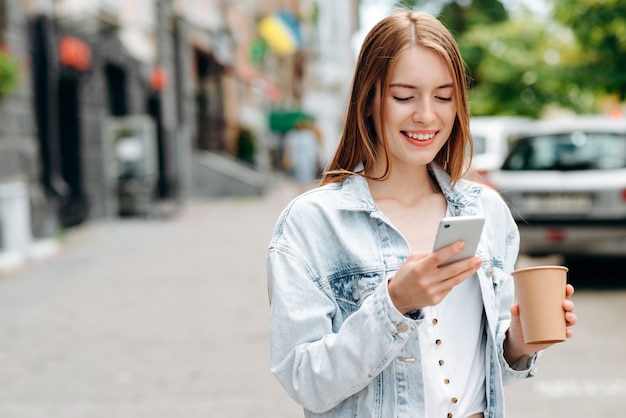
526	367
323	366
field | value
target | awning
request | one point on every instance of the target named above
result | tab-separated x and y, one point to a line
284	120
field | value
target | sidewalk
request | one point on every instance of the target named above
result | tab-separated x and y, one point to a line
147	318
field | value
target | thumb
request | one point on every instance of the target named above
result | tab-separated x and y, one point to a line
516	322
515	327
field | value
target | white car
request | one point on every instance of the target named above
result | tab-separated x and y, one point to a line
492	140
565	182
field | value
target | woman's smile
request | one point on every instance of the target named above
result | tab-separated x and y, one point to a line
420	138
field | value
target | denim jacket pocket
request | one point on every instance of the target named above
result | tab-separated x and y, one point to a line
351	290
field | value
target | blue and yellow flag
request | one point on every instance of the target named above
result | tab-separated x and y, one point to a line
281	31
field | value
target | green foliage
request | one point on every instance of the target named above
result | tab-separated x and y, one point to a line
524	64
9	74
408	4
460	16
521	67
600	28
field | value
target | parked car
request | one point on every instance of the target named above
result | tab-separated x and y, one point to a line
565	182
492	140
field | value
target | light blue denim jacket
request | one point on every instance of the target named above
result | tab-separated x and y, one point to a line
336	338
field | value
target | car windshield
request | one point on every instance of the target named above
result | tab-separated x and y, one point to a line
480	144
571	151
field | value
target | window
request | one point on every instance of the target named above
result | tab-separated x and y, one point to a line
576	150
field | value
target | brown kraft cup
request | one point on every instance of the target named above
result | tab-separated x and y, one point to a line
540	292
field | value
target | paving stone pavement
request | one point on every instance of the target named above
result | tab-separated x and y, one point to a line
159	318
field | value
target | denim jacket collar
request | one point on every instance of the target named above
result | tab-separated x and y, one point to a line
356	196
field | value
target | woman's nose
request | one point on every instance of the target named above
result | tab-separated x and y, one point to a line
423	112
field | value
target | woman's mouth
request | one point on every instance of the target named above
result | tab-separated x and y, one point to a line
420	136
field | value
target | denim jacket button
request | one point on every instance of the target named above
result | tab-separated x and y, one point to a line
402	327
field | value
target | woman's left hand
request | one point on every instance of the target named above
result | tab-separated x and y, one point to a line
514	346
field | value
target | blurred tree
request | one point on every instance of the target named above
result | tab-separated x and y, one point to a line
523	66
523	63
459	16
410	4
600	27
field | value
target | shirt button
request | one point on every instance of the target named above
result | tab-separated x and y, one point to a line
435	321
446	381
490	271
402	327
441	362
450	415
438	342
454	400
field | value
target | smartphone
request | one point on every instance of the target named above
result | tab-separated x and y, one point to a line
459	228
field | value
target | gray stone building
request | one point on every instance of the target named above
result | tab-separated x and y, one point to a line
116	117
24	208
91	131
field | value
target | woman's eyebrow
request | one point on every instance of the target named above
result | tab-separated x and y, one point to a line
410	86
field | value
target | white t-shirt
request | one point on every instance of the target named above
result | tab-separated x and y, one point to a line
452	343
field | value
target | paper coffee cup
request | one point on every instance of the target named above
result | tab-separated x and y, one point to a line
540	292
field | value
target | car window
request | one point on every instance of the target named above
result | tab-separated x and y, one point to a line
571	151
479	144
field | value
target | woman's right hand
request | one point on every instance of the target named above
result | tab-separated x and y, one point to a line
419	282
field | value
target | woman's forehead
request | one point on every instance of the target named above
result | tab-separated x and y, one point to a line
419	65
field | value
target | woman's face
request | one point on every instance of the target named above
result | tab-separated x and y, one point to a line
419	107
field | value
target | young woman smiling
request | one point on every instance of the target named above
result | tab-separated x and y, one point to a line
365	322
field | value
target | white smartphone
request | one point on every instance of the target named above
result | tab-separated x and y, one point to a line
459	228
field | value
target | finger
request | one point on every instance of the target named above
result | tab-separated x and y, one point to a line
454	274
569	290
462	267
443	254
459	271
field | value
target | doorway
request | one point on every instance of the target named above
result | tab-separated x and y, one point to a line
73	204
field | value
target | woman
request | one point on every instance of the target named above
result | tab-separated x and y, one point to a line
363	322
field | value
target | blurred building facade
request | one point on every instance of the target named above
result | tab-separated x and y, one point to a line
122	105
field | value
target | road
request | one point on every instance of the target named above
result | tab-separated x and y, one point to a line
167	318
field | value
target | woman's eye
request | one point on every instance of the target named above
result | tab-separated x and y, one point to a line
400	99
444	99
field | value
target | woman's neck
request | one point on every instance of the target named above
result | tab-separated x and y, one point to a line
406	184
